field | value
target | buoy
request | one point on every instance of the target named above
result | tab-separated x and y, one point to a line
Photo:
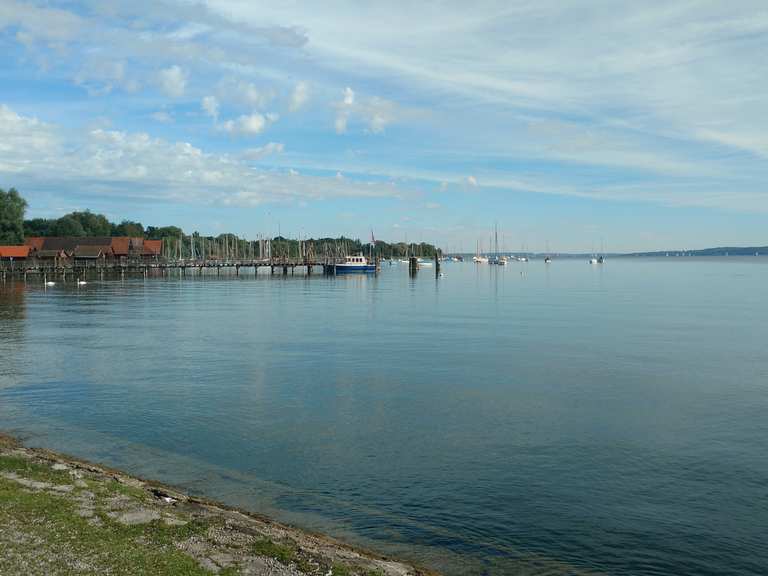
50	283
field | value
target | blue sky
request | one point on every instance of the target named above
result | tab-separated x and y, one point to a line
641	125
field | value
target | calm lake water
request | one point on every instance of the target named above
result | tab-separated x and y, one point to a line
533	419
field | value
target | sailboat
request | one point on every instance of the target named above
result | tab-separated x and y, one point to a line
477	258
498	260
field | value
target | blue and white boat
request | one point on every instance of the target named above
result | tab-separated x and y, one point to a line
357	263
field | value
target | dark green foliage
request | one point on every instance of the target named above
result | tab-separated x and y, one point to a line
159	233
75	224
67	226
93	224
12	208
39	227
128	228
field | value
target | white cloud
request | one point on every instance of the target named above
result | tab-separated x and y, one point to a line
50	25
122	164
24	141
263	151
248	124
244	94
343	110
376	112
173	81
99	76
340	123
299	96
349	97
210	106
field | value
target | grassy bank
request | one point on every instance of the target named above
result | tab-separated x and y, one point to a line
61	516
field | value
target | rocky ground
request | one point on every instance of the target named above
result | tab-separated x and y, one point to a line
61	516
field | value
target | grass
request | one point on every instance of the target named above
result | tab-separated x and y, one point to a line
126	490
71	545
42	531
33	471
283	554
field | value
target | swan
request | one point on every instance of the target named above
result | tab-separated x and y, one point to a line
81	282
50	283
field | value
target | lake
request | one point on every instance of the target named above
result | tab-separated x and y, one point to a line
528	419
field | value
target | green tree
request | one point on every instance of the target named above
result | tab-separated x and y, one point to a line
155	233
12	208
68	226
128	228
93	224
39	227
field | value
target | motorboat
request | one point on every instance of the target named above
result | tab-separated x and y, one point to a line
357	263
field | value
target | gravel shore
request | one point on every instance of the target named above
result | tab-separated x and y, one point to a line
62	516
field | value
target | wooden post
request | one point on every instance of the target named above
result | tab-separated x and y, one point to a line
437	265
413	265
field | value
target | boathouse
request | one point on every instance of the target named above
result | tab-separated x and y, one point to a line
96	249
89	255
14	253
53	258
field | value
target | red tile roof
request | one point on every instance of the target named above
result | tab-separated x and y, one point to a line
14	251
153	247
121	245
35	242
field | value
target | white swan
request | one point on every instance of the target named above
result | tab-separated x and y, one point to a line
81	282
50	283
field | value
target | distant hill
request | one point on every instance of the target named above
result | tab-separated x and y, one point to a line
722	251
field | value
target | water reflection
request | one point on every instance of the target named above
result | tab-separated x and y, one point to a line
13	312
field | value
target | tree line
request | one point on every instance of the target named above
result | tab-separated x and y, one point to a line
14	228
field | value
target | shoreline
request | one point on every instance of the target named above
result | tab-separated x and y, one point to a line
62	515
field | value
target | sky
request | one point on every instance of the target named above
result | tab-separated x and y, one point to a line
569	125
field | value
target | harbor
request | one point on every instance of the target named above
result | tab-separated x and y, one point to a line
81	258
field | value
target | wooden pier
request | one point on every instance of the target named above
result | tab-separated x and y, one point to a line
282	266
